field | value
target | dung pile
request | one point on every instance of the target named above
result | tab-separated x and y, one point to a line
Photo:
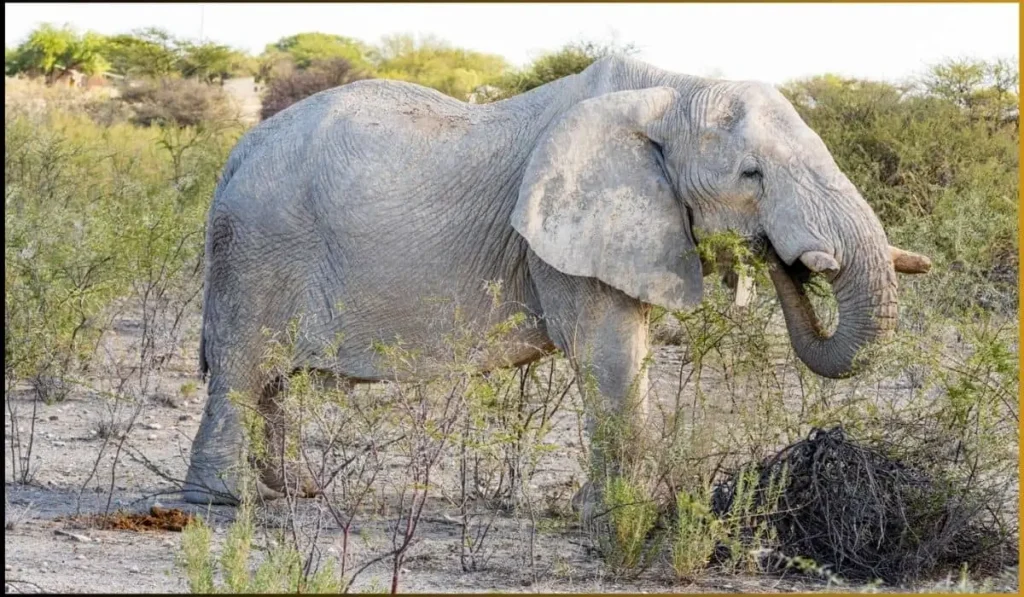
158	519
867	516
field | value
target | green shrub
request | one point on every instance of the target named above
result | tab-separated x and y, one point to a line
94	214
697	533
280	571
632	514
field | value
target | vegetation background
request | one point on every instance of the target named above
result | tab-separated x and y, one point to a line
113	145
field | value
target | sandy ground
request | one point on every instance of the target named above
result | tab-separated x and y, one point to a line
44	552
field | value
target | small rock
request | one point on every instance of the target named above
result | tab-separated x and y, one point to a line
185	417
154	426
151	437
80	556
8	567
21	430
53	417
59	444
134	570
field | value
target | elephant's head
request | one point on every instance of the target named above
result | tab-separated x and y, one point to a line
616	189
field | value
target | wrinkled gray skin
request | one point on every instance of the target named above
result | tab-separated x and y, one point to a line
360	206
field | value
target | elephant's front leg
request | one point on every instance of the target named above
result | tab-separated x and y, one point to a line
603	332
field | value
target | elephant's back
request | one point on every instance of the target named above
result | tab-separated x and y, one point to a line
357	136
375	113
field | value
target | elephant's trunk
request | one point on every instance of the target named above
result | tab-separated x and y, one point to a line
865	290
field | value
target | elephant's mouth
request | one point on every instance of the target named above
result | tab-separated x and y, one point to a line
740	284
863	288
796	277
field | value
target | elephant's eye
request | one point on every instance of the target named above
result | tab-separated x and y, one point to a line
752	173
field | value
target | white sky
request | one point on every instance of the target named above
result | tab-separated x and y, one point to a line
767	42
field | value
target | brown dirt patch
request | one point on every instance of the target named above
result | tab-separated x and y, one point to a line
158	519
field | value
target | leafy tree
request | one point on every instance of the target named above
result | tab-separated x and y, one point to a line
569	60
285	90
987	90
155	53
306	48
9	61
210	62
150	52
297	52
51	52
435	63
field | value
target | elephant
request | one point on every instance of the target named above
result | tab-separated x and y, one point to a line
586	197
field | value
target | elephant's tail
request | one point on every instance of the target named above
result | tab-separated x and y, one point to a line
235	159
204	367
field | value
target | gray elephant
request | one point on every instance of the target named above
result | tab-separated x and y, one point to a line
585	197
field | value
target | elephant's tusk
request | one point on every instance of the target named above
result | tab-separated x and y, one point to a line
820	263
906	262
744	290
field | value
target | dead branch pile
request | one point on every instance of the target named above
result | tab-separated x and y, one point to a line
865	516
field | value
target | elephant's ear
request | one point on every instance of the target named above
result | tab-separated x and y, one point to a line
595	201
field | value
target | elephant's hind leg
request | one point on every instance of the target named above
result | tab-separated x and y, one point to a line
222	447
279	470
219	446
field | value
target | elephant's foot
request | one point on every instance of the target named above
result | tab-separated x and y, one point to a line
295	479
199	494
206	485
